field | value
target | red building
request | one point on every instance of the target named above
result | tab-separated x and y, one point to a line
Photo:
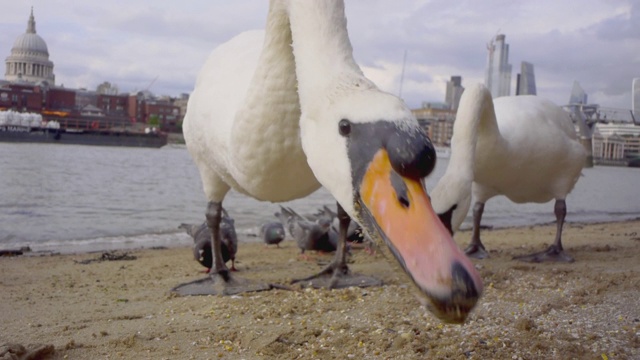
21	97
144	108
60	99
113	105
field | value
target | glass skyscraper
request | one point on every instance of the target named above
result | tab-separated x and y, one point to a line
578	96
498	75
454	92
526	84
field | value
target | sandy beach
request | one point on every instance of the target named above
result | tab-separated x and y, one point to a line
75	307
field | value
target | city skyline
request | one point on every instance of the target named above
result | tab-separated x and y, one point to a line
167	41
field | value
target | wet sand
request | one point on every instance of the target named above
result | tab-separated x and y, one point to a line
123	309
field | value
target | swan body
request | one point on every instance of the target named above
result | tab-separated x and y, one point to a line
538	148
276	114
250	124
522	147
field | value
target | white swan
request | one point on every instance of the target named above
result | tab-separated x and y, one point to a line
522	147
273	116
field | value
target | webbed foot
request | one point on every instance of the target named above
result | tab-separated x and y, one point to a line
476	251
551	254
220	284
337	276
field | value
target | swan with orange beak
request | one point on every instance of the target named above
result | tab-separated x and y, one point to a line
276	114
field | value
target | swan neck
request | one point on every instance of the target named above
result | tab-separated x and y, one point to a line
321	47
475	119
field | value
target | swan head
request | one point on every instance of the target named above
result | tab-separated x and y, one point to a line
451	199
368	150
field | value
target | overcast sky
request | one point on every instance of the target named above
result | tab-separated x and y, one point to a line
133	43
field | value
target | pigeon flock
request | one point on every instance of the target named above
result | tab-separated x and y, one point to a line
314	232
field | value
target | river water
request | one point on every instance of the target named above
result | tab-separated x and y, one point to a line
69	198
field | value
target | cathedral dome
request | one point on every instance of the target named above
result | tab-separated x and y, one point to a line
30	43
29	59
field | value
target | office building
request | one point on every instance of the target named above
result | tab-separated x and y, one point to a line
526	81
578	96
454	92
498	74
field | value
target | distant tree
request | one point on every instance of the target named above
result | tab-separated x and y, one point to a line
154	121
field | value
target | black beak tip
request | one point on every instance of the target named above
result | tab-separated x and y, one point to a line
463	285
455	308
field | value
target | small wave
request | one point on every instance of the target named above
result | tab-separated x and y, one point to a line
167	239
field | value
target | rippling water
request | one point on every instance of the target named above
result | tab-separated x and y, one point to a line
80	198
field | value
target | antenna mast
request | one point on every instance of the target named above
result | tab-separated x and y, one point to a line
404	63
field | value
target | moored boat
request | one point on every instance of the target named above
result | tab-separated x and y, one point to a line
14	133
30	128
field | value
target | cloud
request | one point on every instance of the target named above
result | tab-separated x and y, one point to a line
594	43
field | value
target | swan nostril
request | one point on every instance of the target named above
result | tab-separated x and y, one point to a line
400	188
404	201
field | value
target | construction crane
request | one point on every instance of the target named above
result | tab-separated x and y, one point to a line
151	83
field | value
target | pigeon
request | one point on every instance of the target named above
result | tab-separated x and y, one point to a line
272	233
355	234
309	235
202	241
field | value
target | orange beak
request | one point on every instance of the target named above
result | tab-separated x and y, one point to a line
398	210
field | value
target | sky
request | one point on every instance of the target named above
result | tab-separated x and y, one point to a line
160	45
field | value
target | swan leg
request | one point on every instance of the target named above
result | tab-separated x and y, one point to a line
220	281
555	252
476	248
337	274
214	216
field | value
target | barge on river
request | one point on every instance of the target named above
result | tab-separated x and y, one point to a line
24	134
32	128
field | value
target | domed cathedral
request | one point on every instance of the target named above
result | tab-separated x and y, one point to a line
29	59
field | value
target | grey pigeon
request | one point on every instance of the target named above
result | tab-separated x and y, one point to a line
202	241
272	233
355	233
309	235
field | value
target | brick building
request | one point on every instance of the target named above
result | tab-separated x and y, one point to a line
437	121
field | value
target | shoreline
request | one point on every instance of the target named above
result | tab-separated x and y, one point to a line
124	309
179	239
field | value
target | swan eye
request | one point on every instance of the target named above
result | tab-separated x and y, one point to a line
344	126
